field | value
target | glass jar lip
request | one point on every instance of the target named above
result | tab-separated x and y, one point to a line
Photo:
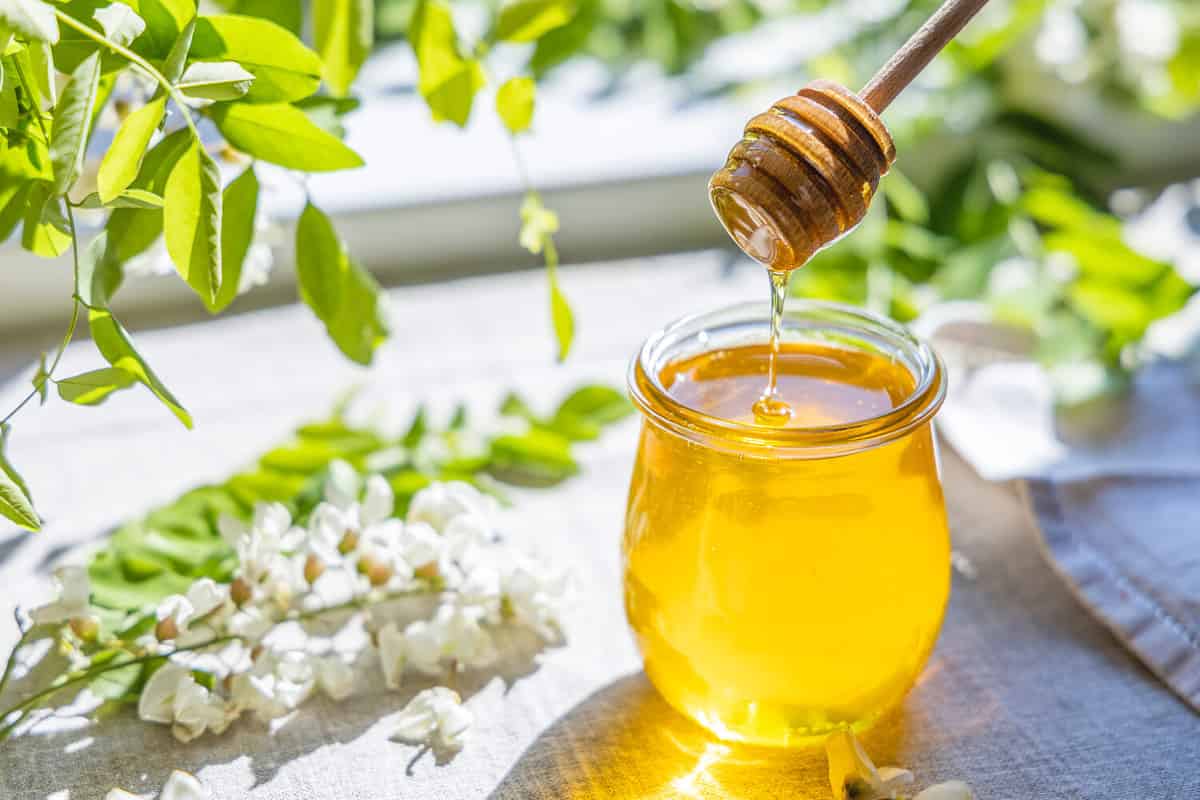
817	441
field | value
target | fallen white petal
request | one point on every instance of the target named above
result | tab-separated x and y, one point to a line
436	717
184	786
121	794
950	790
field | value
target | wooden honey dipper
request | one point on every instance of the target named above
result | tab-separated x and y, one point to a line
806	170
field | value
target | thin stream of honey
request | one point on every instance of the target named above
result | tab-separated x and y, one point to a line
770	408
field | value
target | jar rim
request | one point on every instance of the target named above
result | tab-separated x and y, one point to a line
833	323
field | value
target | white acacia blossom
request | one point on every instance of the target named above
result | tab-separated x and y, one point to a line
179	786
435	717
72	590
432	593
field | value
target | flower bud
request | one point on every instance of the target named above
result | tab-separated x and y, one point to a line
313	568
166	629
377	572
348	543
86	628
427	571
240	592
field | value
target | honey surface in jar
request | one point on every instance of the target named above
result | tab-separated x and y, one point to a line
777	597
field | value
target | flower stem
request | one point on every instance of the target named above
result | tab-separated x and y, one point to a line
133	58
70	334
32	701
12	662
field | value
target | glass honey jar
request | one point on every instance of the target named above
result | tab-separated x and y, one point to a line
785	580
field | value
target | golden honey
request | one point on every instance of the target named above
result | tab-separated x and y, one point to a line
785	580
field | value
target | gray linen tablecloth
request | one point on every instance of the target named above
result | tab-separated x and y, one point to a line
1027	696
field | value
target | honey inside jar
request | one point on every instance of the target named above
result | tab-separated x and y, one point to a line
783	582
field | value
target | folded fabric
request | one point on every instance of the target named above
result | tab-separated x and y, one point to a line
1115	490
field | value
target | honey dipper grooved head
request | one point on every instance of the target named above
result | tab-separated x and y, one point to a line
803	174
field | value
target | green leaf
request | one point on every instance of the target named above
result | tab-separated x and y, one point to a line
283	135
360	324
564	42
215	80
124	157
192	221
344	33
99	273
327	112
131	231
598	403
177	58
905	198
1104	256
537	457
240	207
321	262
73	123
514	104
416	429
120	683
41	380
285	13
528	20
284	69
561	315
165	20
47	231
130	198
31	18
1111	307
15	501
93	388
114	344
447	81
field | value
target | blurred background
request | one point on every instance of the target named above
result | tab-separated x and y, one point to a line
1045	182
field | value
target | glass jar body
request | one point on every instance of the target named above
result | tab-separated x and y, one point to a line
776	596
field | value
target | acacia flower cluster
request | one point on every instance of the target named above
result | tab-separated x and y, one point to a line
431	594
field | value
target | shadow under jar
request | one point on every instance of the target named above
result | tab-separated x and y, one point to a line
786	581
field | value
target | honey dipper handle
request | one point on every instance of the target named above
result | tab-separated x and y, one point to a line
918	51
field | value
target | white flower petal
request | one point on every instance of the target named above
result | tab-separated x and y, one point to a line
335	677
121	23
73	591
184	786
392	654
379	503
343	485
121	794
435	716
157	701
206	596
951	790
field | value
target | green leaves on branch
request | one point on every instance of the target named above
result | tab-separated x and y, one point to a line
448	81
340	292
514	104
114	344
283	135
172	546
192	221
529	20
15	503
284	69
344	31
538	226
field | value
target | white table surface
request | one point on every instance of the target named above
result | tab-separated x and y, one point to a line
1025	697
